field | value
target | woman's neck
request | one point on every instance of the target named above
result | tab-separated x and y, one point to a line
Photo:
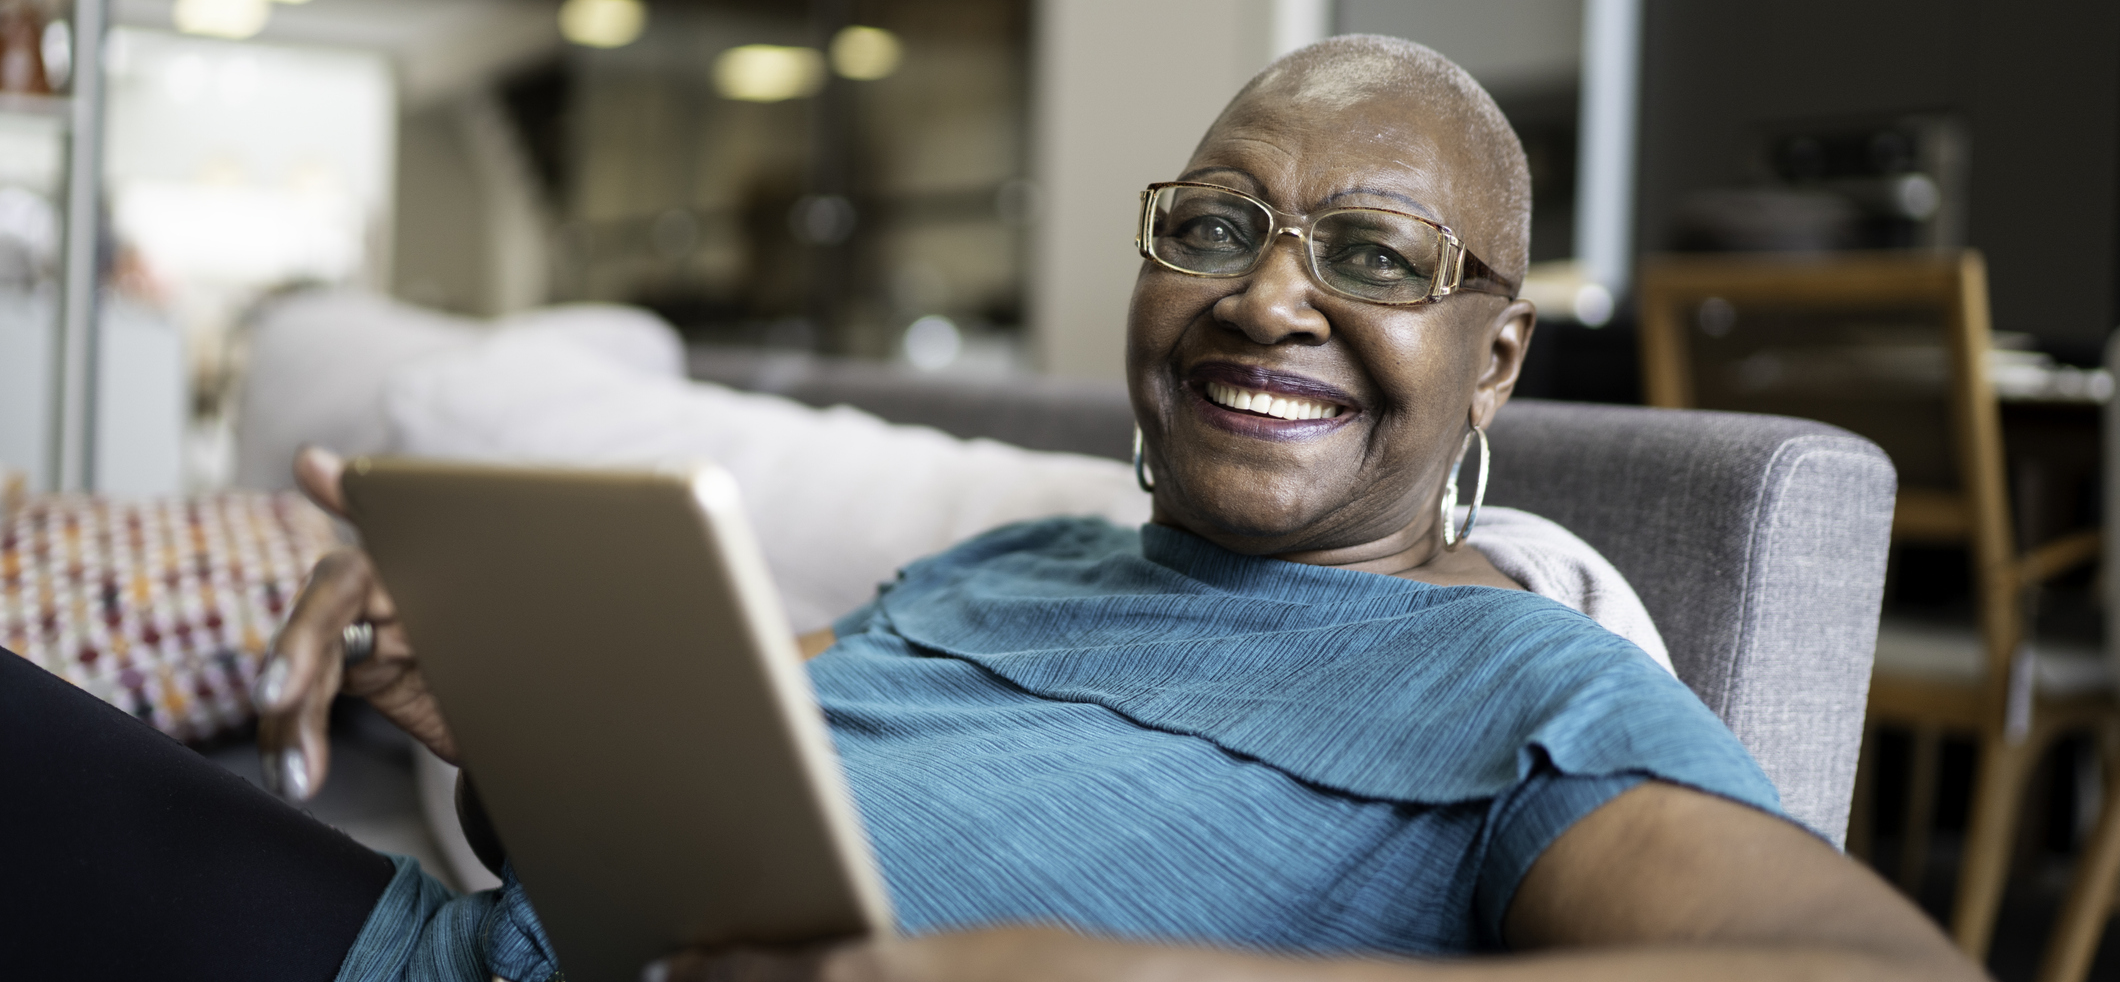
1414	552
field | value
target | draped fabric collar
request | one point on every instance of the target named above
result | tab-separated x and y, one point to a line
1365	684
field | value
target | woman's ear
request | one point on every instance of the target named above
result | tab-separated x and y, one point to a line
1508	338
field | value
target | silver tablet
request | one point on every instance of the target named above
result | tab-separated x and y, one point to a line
615	666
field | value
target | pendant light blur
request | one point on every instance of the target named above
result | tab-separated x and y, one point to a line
602	23
768	73
231	19
866	54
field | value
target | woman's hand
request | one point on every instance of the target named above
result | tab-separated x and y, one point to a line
305	667
1019	954
1024	954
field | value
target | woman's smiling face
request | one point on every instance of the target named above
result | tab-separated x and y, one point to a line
1388	391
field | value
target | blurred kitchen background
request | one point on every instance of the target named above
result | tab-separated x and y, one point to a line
948	184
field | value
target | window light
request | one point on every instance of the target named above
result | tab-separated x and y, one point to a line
865	53
768	72
602	23
232	19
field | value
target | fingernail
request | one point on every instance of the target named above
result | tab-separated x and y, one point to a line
271	684
657	971
269	765
294	775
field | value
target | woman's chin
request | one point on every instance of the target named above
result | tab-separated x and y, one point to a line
1247	514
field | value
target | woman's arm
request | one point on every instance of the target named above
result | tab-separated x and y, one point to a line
1662	882
1669	881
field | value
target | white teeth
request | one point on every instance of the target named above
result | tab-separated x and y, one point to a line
1282	407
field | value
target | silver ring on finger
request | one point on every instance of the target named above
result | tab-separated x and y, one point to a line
359	642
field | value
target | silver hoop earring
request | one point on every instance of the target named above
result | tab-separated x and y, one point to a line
1141	475
1454	537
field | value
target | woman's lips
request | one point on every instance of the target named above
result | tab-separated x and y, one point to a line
1268	404
1271	405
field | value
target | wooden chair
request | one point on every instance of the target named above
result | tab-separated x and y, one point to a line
1893	346
2090	897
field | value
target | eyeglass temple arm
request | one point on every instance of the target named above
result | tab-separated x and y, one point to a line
1475	276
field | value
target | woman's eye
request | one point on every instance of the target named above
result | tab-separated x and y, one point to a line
1209	233
1373	262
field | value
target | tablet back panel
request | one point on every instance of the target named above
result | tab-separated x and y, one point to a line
619	676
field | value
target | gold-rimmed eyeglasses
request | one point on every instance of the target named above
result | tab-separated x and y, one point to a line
1369	254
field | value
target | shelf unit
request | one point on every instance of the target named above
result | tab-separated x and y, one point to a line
66	447
74	452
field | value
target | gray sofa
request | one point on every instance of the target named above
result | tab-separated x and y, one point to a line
1757	542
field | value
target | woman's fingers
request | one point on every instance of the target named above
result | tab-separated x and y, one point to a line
302	674
316	472
391	681
986	953
344	590
393	684
738	965
307	758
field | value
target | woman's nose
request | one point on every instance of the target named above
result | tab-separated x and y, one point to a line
1275	304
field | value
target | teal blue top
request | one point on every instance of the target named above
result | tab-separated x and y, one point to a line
1142	735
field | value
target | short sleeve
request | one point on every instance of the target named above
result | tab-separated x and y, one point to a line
1522	823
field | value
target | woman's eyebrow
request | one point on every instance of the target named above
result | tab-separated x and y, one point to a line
1201	172
1419	208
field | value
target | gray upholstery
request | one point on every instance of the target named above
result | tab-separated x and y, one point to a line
1757	542
1069	415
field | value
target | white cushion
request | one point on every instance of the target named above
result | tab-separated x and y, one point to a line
840	499
315	371
317	360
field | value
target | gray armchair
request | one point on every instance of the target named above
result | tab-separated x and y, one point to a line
1756	542
1758	545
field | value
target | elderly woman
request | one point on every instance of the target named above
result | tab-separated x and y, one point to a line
1286	730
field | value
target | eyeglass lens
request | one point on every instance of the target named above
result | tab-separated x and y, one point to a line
1360	252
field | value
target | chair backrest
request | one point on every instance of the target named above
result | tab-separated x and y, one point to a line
1892	345
1069	415
2111	545
1756	542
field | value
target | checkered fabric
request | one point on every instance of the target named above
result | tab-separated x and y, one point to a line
161	607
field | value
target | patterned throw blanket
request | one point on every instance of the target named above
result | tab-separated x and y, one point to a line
162	607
